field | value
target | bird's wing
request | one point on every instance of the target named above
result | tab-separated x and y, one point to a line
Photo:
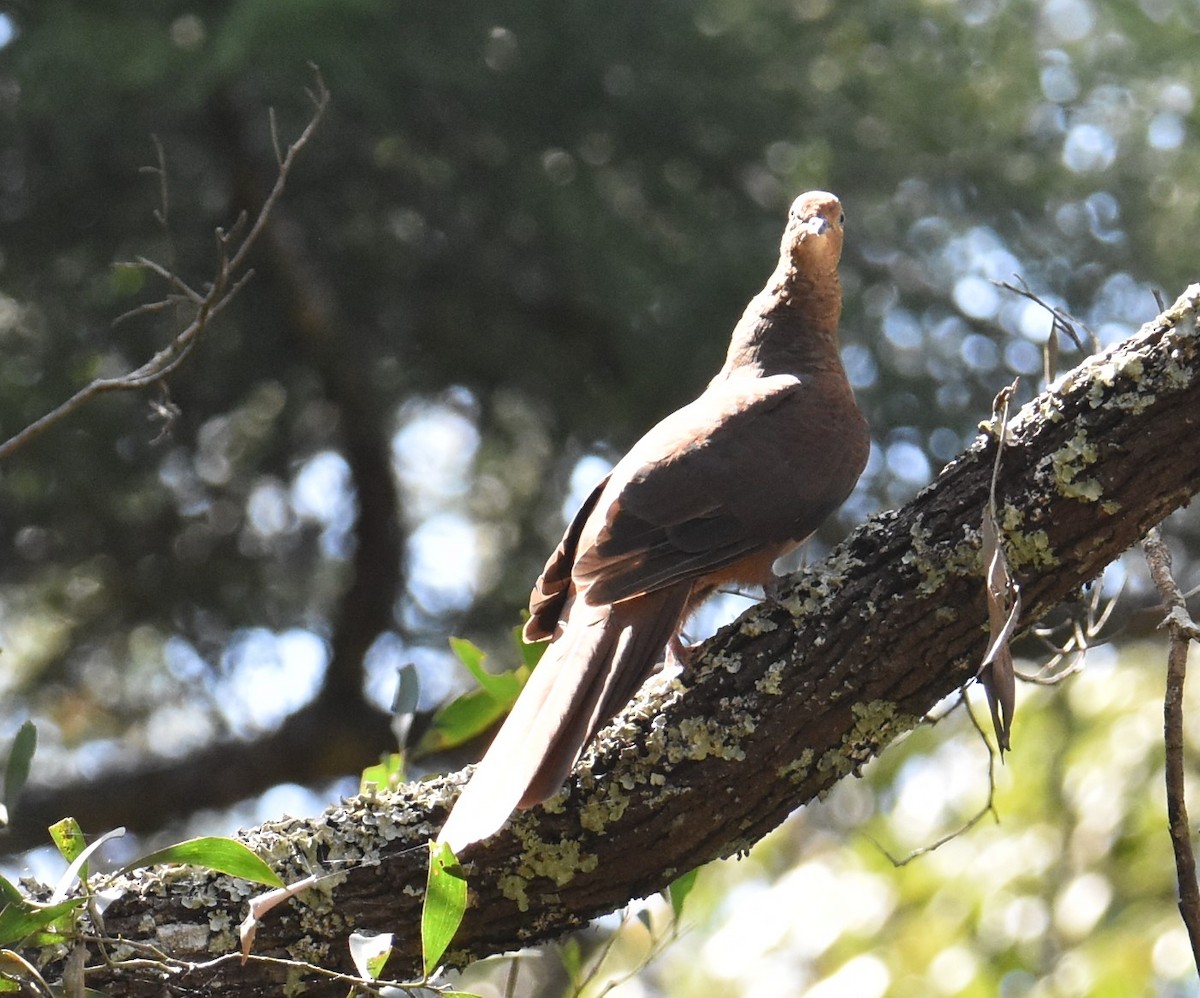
553	587
753	464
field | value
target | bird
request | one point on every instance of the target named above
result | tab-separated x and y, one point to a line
712	495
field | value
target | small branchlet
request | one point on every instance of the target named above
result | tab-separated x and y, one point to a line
1181	631
233	249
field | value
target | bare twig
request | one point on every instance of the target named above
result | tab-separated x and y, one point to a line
228	280
1083	637
988	807
1061	321
1181	630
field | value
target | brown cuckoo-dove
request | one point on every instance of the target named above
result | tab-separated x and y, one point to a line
713	494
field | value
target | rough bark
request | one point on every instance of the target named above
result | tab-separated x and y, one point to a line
778	707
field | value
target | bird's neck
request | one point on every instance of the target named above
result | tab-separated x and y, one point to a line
790	326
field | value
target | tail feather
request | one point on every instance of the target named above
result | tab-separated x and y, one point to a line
585	676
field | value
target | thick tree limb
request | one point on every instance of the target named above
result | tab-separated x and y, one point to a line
779	706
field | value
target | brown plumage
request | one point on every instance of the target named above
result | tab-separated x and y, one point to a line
713	494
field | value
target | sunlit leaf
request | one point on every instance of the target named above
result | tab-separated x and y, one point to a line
472	714
504	686
387	774
445	904
68	838
462	719
369	952
213	852
680	888
68	831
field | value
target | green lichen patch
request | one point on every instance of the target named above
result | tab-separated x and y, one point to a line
1066	466
1024	547
798	770
935	563
875	724
559	862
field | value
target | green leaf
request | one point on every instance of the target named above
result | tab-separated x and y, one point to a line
462	719
473	713
9	893
571	955
68	838
501	685
531	651
18	920
19	761
78	870
387	774
445	904
213	852
680	888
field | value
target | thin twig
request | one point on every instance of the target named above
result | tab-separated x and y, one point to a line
1061	321
228	280
989	805
1181	630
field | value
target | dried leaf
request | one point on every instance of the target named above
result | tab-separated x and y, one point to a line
262	904
1003	595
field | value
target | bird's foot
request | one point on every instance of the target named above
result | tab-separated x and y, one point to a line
677	658
773	589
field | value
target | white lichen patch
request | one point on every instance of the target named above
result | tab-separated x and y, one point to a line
921	556
516	889
705	737
1120	365
757	625
603	808
182	937
812	590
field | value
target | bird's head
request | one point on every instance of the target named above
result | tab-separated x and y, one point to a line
813	236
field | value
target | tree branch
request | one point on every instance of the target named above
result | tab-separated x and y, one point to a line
228	280
1181	631
778	707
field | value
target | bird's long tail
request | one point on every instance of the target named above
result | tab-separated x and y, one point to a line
587	674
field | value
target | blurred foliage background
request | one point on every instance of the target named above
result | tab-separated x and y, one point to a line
521	236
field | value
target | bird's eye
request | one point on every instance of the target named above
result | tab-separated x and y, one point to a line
842	218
